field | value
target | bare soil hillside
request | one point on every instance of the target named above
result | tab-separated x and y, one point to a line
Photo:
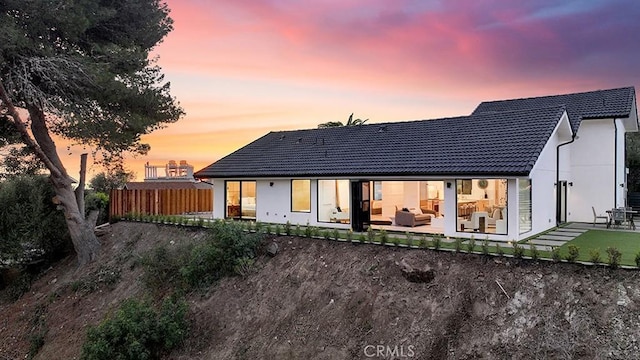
319	299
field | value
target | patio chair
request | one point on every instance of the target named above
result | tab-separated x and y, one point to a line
596	217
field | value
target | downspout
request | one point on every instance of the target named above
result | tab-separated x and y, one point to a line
558	193
615	163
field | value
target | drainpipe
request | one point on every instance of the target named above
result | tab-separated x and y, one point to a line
558	193
615	163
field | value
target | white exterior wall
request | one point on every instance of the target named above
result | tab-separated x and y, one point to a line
543	179
621	176
273	203
592	170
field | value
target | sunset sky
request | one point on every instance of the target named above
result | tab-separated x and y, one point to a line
245	67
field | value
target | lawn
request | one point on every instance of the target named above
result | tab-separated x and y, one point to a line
627	243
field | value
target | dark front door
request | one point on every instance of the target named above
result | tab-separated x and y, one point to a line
561	202
361	205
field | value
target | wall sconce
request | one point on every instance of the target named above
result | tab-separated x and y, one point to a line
271	184
571	183
448	185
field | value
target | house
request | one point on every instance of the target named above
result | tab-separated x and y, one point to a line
511	169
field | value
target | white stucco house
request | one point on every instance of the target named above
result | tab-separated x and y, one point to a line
510	170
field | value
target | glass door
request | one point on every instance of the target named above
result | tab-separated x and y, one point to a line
361	205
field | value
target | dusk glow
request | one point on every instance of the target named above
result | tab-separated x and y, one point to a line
242	68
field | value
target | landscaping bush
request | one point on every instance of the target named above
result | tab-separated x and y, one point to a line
572	253
287	228
637	259
384	237
499	250
437	242
371	235
457	244
533	251
471	244
137	331
613	255
555	254
336	234
349	235
485	246
594	256
409	238
518	250
423	241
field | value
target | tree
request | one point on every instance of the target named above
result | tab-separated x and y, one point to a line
112	179
80	69
350	122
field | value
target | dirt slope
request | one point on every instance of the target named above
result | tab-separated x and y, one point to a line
319	299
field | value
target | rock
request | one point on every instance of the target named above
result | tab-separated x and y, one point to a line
272	249
416	274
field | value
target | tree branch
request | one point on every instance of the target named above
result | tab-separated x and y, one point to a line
24	134
80	189
43	138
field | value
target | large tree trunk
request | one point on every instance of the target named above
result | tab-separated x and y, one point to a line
84	240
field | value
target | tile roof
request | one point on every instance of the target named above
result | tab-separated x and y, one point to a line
506	143
153	185
597	104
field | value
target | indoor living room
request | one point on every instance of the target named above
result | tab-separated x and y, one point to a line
415	206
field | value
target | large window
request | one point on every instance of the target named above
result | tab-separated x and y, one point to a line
241	199
481	206
524	207
333	201
301	195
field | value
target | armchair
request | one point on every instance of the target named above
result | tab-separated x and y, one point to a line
474	222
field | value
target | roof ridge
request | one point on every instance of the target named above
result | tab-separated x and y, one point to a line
559	95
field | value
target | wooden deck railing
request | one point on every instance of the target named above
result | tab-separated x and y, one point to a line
160	202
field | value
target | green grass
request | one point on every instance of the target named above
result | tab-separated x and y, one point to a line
627	243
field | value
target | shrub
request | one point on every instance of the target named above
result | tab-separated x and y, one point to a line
384	237
326	234
395	241
297	231
97	201
349	235
594	256
614	255
225	244
423	241
518	250
244	266
471	245
533	251
637	259
409	238
457	244
268	230
362	238
572	253
371	235
287	228
278	230
315	231
336	234
485	246
29	220
137	331
308	231
258	226
499	250
437	242
555	254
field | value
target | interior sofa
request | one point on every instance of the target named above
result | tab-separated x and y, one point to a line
408	218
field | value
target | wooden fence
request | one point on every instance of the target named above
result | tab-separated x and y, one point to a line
160	201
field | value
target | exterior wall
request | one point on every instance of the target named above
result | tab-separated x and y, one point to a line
273	203
621	176
543	183
592	170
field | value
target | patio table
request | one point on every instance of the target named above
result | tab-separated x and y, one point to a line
618	216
